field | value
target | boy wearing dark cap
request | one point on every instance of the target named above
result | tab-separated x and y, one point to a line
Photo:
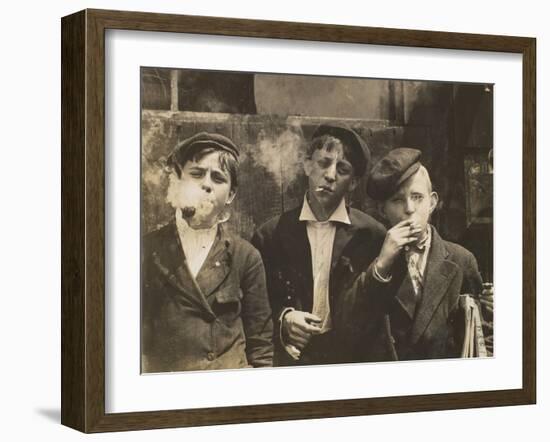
204	298
311	251
416	312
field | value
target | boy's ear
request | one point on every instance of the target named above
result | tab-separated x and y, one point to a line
434	199
353	183
231	197
307	166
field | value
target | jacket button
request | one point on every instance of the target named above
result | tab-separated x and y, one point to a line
210	356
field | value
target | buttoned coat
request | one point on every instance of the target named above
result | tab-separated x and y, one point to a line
220	319
285	249
404	326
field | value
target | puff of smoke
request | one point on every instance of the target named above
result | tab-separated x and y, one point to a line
281	156
198	207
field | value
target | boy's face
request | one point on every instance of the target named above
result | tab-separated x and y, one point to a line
204	186
414	200
330	177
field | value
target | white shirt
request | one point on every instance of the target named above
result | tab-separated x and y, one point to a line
196	243
321	240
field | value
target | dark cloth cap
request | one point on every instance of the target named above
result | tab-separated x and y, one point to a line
387	175
180	154
360	151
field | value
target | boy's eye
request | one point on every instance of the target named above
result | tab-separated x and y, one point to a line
219	178
196	173
344	170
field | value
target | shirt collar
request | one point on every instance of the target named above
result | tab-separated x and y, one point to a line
424	246
340	215
426	242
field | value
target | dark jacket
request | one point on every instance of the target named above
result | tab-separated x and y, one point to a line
401	325
219	320
284	246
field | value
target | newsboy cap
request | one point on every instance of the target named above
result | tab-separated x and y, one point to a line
393	169
360	156
181	152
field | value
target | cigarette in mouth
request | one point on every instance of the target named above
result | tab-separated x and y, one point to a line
319	189
188	212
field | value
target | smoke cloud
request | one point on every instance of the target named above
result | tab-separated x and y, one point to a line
282	155
200	206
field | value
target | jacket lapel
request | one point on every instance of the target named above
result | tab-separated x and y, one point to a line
171	262
343	235
439	274
297	251
217	265
405	295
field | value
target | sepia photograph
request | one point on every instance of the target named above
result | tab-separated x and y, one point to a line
253	207
300	220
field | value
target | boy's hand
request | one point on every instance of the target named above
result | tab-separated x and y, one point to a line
299	327
403	233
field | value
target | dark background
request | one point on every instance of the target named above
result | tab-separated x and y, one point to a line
271	118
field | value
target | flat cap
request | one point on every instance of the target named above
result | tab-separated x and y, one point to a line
393	169
360	151
200	141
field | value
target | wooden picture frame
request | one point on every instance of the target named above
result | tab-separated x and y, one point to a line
83	220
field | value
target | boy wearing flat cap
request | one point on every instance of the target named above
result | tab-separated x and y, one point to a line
311	251
204	298
417	312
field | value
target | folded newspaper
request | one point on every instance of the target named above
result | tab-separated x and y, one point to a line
474	340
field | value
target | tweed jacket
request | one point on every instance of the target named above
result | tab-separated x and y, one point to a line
220	319
284	246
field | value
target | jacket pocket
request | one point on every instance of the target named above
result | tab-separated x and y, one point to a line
227	303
